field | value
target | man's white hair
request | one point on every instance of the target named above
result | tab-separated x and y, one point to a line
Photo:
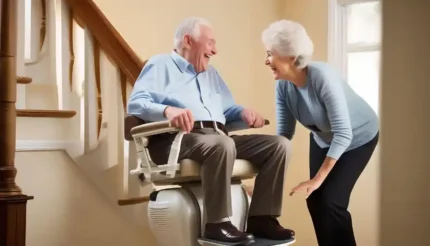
289	38
189	26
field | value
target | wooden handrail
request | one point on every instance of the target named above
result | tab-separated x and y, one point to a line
110	41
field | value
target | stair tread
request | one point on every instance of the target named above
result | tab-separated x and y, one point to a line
23	80
45	113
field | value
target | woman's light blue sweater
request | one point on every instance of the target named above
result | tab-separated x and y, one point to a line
329	107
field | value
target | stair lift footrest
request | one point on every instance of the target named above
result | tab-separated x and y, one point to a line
257	242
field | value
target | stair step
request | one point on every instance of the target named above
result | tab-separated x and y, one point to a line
41	113
23	80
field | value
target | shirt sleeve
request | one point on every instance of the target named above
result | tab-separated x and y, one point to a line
146	98
232	111
286	123
333	97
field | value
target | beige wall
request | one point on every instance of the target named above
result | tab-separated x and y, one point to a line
405	162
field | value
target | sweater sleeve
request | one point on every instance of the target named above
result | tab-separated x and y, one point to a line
333	97
286	123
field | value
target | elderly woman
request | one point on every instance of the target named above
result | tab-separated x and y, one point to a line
344	128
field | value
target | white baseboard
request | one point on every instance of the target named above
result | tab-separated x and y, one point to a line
72	147
36	145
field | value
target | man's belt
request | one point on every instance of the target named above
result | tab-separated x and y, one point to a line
209	124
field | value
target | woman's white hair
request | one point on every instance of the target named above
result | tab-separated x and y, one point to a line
289	38
189	26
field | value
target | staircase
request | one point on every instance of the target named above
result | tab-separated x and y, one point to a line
64	80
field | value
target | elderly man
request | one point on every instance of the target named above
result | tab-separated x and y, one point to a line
181	87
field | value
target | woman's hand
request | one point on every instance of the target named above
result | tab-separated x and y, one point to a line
308	186
315	183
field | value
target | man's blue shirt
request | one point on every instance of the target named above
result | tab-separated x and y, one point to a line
170	80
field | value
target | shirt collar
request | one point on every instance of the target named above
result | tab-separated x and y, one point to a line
182	64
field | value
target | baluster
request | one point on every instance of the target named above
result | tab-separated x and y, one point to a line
90	92
96	54
71	50
37	19
60	36
42	25
20	55
8	97
123	84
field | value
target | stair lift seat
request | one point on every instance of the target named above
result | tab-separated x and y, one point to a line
176	215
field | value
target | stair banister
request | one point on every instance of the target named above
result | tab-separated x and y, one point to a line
110	41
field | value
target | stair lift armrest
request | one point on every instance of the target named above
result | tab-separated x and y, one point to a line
240	125
153	128
141	134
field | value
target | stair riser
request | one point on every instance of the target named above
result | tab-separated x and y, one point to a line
46	129
41	96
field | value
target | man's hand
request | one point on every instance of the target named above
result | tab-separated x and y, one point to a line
181	118
252	118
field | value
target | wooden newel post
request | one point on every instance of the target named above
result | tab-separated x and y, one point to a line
12	202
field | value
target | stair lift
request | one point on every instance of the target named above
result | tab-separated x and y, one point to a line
176	215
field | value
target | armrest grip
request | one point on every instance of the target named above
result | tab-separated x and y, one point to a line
153	128
241	125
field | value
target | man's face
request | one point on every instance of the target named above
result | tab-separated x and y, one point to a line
201	48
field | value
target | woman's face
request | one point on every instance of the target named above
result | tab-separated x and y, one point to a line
281	66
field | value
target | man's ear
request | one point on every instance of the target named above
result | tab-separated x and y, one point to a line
187	41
